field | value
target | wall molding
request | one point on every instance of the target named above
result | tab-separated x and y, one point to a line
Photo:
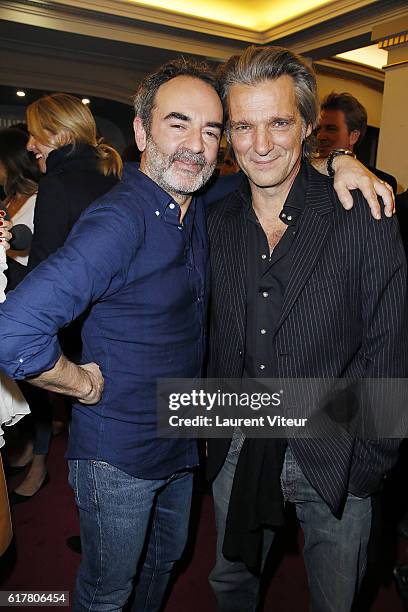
351	27
372	77
44	14
124	21
83	32
315	17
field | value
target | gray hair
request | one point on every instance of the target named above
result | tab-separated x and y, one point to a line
144	99
259	64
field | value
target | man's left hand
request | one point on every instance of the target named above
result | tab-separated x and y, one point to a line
94	384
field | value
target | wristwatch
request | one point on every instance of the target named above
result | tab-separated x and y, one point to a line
332	155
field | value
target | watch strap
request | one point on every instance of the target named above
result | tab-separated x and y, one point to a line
332	155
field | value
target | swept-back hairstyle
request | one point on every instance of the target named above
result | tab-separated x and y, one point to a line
61	119
144	99
355	114
22	172
259	64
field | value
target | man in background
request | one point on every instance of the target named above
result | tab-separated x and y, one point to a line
342	125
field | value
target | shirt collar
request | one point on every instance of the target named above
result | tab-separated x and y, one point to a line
157	198
295	200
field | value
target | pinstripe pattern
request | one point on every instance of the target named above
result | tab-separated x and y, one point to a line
344	315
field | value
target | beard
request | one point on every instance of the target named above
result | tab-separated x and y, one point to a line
161	169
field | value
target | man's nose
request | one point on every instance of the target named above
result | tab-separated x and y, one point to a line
263	141
195	141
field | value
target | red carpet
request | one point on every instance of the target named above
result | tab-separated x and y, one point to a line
40	560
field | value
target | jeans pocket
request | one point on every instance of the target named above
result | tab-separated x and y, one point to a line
83	482
103	465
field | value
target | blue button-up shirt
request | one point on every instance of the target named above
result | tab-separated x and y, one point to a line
142	276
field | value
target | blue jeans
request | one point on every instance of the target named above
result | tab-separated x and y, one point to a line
334	550
129	528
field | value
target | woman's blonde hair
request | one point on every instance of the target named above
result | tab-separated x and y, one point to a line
61	119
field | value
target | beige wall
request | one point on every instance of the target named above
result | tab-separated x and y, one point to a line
393	144
369	98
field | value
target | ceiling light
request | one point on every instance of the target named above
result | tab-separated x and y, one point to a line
240	13
370	56
20	93
85	101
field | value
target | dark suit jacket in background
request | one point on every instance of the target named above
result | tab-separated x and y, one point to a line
401	205
344	315
384	176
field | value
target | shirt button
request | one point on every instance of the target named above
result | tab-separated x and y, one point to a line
262	367
171	206
263	256
157	213
263	331
180	227
265	294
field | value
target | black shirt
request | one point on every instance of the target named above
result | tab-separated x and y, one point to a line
267	279
256	498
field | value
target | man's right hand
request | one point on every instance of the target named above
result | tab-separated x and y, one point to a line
93	384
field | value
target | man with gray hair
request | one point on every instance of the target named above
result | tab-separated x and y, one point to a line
300	289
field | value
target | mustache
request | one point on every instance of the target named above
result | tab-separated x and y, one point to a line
185	155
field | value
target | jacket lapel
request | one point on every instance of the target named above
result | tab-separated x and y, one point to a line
315	227
235	250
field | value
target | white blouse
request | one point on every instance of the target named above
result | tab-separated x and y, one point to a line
24	215
12	403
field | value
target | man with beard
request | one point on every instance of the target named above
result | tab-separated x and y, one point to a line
136	264
146	298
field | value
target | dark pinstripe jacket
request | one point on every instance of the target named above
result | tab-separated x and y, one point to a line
344	314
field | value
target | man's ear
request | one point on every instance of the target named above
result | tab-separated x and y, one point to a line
354	136
140	133
308	130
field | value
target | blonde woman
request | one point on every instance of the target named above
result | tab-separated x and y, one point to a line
78	168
